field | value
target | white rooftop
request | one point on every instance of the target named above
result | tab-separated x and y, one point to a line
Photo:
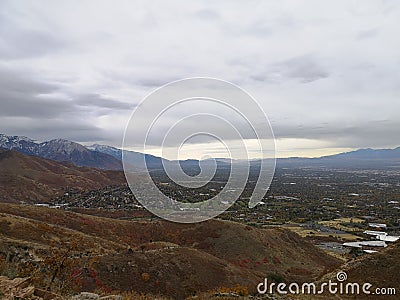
370	251
373	232
365	243
388	238
377	225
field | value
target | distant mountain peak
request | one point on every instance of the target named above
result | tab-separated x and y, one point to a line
98	147
368	153
14	139
64	145
366	158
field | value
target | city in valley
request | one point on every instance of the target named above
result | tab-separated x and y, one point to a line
327	206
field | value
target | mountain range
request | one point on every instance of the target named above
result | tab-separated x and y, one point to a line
110	158
62	151
130	157
358	159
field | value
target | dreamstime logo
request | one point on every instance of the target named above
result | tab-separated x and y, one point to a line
309	288
198	111
341	276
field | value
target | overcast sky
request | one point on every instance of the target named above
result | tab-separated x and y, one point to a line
327	73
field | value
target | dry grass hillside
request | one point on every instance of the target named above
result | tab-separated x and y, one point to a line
381	270
159	257
33	179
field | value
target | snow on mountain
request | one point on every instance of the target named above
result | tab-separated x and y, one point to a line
19	143
61	150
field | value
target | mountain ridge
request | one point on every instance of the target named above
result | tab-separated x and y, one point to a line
365	158
109	157
131	157
61	150
376	153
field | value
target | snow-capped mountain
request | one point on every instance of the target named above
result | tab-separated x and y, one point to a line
117	153
19	143
131	157
61	150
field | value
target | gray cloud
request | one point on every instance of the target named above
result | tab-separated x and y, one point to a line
34	108
304	69
77	130
20	40
27	43
12	105
366	34
96	100
19	82
207	14
24	96
155	82
366	134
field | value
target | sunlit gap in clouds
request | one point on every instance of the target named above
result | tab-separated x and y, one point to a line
284	147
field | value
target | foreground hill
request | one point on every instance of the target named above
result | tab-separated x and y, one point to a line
381	270
167	258
34	179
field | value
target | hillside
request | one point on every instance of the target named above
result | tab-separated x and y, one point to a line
381	270
34	179
177	259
